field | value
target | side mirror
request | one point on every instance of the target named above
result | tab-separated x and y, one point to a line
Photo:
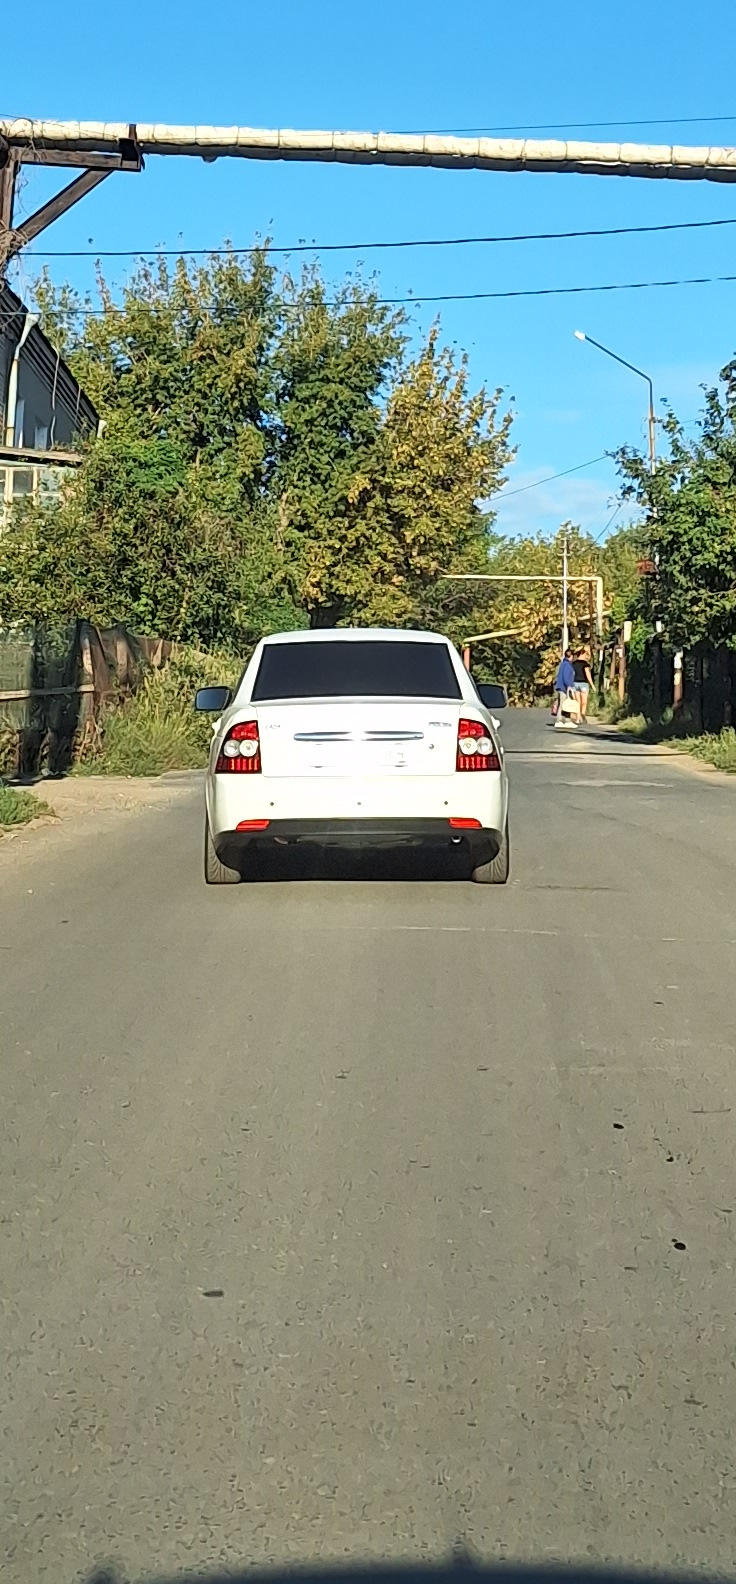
213	699
492	695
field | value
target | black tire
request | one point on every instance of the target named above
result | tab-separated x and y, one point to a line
216	873
497	871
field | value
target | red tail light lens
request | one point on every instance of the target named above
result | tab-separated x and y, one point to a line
475	749
240	753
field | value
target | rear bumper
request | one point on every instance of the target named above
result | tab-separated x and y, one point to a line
339	801
482	843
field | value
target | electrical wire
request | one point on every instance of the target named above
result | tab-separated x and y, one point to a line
563	126
607	525
506	494
554	291
448	297
366	247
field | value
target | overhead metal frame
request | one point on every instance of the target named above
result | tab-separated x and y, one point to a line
677	162
95	166
99	147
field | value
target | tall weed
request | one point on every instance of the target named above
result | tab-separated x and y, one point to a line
158	729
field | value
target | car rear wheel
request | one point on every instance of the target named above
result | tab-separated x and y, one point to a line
216	873
497	871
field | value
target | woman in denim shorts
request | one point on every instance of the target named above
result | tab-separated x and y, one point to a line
583	681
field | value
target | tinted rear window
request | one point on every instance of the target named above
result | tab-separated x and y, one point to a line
374	669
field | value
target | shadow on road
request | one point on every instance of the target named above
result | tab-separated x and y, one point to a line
371	864
592	741
442	1573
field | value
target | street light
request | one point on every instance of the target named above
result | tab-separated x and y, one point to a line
581	336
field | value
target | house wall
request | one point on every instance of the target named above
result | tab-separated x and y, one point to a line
51	409
10	329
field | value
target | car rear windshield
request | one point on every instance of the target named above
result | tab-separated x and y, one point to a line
378	668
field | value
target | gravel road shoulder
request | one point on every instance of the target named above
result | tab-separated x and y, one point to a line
85	804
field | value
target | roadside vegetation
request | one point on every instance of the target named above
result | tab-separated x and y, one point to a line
714	748
18	807
157	730
282	453
686	599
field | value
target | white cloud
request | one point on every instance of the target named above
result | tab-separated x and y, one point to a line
562	415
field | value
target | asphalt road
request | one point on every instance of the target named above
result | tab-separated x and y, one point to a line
372	1215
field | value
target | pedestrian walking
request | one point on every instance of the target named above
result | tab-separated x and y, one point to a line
583	681
565	697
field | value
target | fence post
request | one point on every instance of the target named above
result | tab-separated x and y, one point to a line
677	683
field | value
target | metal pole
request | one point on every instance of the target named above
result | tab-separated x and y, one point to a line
652	429
580	335
565	634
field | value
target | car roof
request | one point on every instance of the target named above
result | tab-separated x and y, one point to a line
354	635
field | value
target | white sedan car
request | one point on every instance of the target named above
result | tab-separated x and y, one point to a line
355	737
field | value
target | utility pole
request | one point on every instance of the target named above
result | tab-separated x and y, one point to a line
565	633
652	424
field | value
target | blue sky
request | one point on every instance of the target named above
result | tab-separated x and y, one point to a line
432	66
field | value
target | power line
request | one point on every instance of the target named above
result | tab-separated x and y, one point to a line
447	297
554	291
365	247
564	126
607	525
506	495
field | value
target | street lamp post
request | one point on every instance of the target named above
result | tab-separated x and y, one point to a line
581	336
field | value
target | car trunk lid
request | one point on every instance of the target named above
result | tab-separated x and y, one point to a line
359	737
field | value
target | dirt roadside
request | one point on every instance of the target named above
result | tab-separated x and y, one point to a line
83	805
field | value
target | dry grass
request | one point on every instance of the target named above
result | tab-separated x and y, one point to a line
158	729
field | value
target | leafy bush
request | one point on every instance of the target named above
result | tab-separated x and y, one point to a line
716	748
17	808
158	729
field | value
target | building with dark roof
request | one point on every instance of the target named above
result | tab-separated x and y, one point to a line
44	413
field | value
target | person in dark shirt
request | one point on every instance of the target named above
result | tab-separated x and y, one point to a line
564	692
583	681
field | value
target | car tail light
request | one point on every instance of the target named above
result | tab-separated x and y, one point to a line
240	753
475	749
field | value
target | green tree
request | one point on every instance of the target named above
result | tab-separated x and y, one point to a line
530	613
443	452
133	541
168	526
690	529
333	362
185	356
271	456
